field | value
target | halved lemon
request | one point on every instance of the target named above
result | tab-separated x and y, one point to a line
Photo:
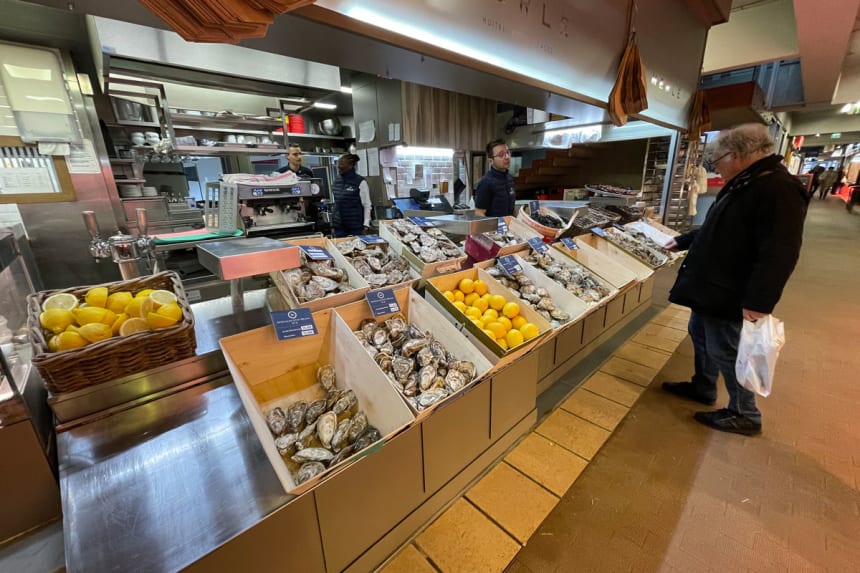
118	301
56	319
97	296
95	332
162	297
144	293
133	325
64	300
69	340
170	310
139	307
155	320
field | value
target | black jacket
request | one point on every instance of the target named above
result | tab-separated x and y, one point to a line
748	245
495	193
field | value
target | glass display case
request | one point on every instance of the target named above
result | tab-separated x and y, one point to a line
15	351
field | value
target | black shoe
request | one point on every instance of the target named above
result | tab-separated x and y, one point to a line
688	391
725	420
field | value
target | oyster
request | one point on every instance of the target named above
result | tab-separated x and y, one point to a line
367	327
380	337
307	437
341	435
411	387
359	424
326	425
311	292
312	455
402	367
309	470
286	443
426	356
314	411
277	421
455	381
331	398
430	397
426	377
341	455
296	415
410	347
429	254
465	366
368	437
345	402
325	283
326	377
377	280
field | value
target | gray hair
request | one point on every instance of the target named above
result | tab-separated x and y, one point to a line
745	140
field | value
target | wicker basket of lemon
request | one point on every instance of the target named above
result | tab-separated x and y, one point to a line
84	336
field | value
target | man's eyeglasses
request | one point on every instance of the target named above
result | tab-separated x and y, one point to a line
721	157
503	154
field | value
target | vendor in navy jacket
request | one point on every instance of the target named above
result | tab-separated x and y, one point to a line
495	196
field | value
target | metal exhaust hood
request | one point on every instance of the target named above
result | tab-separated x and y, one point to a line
130	49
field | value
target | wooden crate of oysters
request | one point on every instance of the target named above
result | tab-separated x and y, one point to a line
319	283
376	261
315	406
423	356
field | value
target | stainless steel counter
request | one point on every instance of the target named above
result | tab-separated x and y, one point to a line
156	487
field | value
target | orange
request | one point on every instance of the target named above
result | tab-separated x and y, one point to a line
467	286
529	331
511	309
459	296
497	328
497	302
480	287
518	321
481	304
471	298
449	295
514	338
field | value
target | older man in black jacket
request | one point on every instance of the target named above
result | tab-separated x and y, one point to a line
737	266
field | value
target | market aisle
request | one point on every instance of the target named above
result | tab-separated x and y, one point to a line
666	494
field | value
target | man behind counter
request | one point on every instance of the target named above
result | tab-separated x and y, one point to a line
495	196
295	163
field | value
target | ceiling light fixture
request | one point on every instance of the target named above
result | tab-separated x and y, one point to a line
321	105
346	89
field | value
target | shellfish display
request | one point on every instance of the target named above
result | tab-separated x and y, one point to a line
429	245
629	243
572	276
378	264
506	239
312	437
651	243
423	369
531	294
316	279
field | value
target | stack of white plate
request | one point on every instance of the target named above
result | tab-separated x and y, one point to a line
150	192
129	191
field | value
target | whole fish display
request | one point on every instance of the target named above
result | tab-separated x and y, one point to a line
378	264
424	370
312	437
430	245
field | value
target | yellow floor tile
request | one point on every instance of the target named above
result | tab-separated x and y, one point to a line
463	540
643	355
673	322
408	560
656	342
577	435
613	388
513	501
547	463
596	409
629	371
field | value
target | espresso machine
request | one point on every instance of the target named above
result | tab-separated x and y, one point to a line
282	210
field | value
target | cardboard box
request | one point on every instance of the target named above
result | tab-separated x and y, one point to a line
421	314
615	310
664	259
514	392
546	354
562	258
518	228
600	264
497	355
424	269
646	290
593	325
268	373
570	342
413	274
359	506
455	434
617	255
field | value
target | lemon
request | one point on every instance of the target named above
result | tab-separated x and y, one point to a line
497	302
155	320
471	298
65	300
461	306
97	296
514	338
69	340
95	332
491	313
162	297
89	314
143	294
529	331
120	320
511	309
472	312
170	310
480	287
118	301
477	322
56	319
133	325
481	304
506	322
139	307
449	295
72	328
490	334
518	321
459	296
503	343
53	343
467	286
497	328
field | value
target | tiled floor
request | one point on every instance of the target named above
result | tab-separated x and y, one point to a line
655	491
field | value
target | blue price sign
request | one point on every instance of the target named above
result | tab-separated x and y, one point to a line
534	207
599	232
538	245
293	323
569	243
316	253
422	221
619	227
382	302
371	239
503	226
510	265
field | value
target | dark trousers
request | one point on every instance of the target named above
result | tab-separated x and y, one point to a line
715	341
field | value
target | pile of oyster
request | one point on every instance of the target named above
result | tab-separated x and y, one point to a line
651	243
506	239
535	296
314	436
572	276
429	245
423	369
636	248
377	263
316	279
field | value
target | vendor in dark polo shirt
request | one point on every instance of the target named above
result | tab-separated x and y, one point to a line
294	158
495	196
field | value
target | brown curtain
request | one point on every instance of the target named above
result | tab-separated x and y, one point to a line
434	117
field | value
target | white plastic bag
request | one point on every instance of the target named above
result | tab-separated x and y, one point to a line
757	353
